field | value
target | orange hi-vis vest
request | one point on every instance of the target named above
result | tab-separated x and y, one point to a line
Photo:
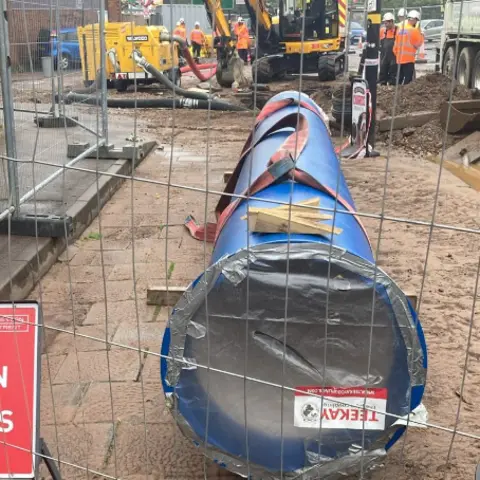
384	33
408	40
197	36
243	39
180	32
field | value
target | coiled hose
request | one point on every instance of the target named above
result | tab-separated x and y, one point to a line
191	103
166	37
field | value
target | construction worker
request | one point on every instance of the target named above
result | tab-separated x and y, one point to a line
401	17
243	39
197	39
388	64
181	29
407	41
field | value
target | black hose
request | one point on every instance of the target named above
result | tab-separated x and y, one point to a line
167	82
91	88
198	104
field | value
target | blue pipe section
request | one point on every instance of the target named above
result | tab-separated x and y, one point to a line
320	161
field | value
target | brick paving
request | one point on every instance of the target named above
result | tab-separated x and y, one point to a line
83	377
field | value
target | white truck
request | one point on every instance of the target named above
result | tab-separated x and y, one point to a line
465	66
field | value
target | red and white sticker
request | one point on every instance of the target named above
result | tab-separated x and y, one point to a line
342	408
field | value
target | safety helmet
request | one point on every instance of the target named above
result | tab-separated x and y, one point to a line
388	16
414	14
401	12
197	24
182	20
240	20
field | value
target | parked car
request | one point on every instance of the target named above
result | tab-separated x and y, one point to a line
432	29
356	33
49	43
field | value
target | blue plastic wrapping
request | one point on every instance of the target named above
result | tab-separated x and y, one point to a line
310	313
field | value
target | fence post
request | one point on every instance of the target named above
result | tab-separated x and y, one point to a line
103	72
8	113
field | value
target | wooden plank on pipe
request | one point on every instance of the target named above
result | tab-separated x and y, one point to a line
160	295
416	119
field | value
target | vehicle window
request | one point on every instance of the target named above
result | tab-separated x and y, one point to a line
71	37
355	26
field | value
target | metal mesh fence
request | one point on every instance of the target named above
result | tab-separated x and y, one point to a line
121	258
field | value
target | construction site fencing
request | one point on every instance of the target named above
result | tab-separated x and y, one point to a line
427	12
106	288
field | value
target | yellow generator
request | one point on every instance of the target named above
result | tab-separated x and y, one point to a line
121	39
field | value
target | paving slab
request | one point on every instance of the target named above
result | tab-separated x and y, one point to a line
75	193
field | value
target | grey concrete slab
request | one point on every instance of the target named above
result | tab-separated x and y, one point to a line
74	193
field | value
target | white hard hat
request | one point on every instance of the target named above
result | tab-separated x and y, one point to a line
182	20
388	16
240	20
401	12
197	24
413	14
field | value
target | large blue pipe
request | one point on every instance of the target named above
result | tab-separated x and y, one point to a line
232	319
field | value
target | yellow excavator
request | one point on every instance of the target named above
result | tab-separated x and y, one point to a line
223	42
280	43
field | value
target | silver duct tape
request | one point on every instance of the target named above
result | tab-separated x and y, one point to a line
321	469
235	270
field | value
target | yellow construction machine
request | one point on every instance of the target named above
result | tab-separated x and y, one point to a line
280	44
223	42
121	39
318	33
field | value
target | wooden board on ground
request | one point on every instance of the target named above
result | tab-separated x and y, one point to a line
471	144
414	119
157	295
160	295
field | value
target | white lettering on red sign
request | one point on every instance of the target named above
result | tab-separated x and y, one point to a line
4	377
18	389
340	408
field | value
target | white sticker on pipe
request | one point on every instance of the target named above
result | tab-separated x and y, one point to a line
343	408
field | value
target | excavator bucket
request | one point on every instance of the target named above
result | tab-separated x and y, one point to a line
464	115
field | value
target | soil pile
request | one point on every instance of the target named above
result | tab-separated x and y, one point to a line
425	93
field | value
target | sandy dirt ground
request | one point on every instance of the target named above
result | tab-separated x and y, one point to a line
83	379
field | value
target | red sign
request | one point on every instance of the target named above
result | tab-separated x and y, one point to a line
19	368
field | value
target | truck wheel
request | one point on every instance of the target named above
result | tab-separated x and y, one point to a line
475	82
326	68
262	71
464	67
121	85
448	66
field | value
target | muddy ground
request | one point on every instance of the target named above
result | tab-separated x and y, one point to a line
448	289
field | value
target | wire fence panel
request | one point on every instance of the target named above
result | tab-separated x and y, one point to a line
205	321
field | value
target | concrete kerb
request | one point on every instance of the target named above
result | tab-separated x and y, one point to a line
26	271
